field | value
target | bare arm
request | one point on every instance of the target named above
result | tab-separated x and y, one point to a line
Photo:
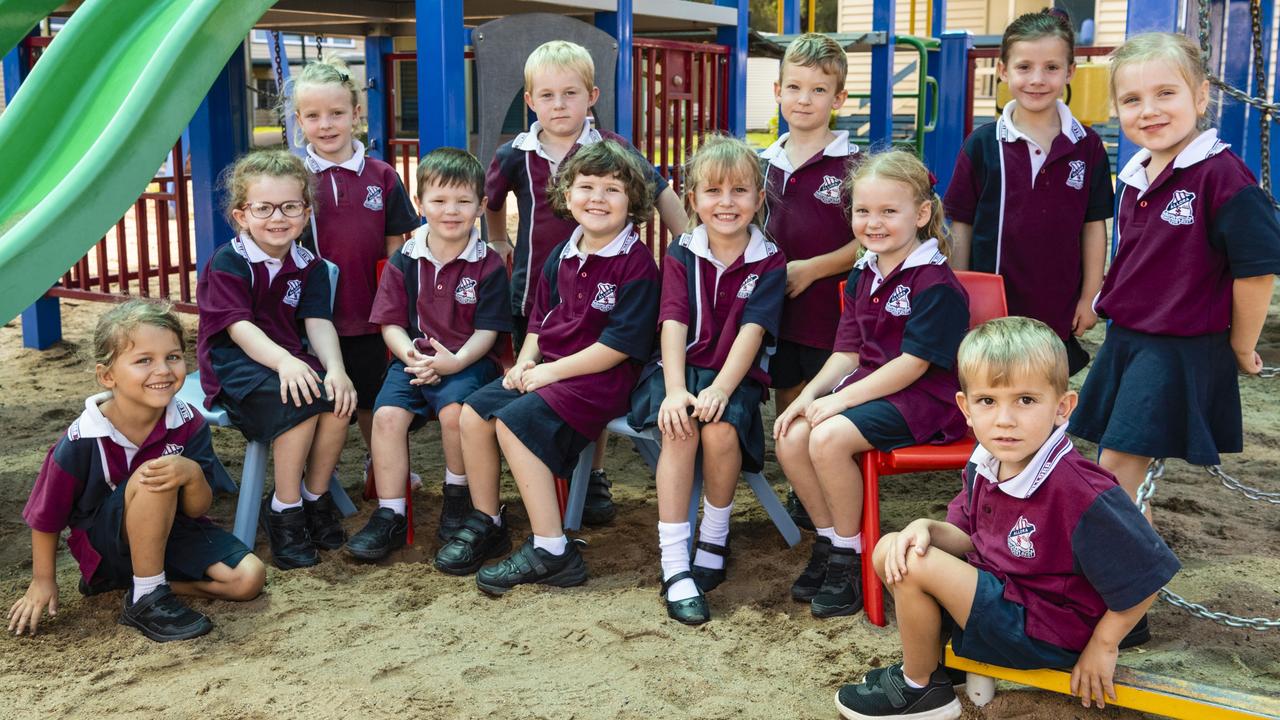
671	210
741	355
497	222
961	244
949	538
594	358
673	413
398	342
1093	251
255	343
895	375
394	243
803	273
324	342
42	593
1250	298
1092	676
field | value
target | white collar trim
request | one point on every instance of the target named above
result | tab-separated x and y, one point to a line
758	247
528	141
619	245
418	249
93	424
247	248
1034	474
1205	146
355	163
1008	132
776	153
926	254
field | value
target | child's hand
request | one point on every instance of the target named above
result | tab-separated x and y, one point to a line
823	408
1085	317
25	614
503	247
443	362
339	388
539	376
710	404
673	415
169	472
795	410
800	276
914	538
514	379
421	370
299	381
1092	675
1250	362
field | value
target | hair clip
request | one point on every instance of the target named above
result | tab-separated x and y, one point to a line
933	179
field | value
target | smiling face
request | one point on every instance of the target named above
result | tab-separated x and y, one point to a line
276	233
887	219
328	119
1037	71
1157	108
149	371
599	203
560	99
1012	420
807	96
451	210
726	205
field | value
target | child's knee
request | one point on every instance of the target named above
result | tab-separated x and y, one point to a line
249	579
450	417
826	439
470	421
136	492
795	443
391	419
719	436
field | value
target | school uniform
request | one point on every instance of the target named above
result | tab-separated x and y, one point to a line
1028	206
1056	547
610	297
522	166
807	213
1164	383
358	203
448	301
714	301
82	485
241	282
918	308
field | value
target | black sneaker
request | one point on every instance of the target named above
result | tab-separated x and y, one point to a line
1140	634
958	678
530	564
162	616
599	508
796	510
385	531
89	588
841	591
810	581
324	522
476	541
456	507
888	695
290	539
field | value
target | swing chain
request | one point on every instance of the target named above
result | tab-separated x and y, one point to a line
319	47
278	57
1268	372
1231	483
1148	487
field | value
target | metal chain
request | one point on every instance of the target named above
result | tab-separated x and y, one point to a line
1260	86
320	46
1231	483
1269	372
278	58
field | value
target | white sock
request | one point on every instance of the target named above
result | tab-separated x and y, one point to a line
673	541
497	519
827	532
396	504
451	478
910	683
277	506
714	530
144	585
840	541
553	545
308	495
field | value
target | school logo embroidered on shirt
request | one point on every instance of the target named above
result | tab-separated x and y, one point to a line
465	294
829	191
293	294
172	449
373	200
1075	178
748	286
899	302
1179	210
1020	538
606	297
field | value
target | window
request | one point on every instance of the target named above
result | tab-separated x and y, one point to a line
266	95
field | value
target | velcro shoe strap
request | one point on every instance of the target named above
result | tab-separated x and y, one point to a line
893	684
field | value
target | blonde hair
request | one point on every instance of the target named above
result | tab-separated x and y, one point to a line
329	71
904	167
258	164
721	158
560	54
1174	48
606	158
111	336
817	50
1001	350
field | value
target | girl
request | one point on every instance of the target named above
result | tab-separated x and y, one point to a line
891	381
256	294
1031	192
362	212
592	325
722	291
132	479
1188	290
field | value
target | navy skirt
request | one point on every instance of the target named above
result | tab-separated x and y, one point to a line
261	417
532	420
742	410
1162	396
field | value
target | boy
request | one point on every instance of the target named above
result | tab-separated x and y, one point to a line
559	85
1043	561
807	214
442	305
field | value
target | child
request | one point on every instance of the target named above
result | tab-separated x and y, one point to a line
722	290
890	381
1188	290
131	478
591	328
362	212
1052	572
559	87
1031	192
442	304
260	296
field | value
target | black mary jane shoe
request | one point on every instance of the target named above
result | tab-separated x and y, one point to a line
709	579
690	611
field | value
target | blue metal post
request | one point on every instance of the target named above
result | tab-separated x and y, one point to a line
1237	70
882	19
790	26
950	65
1146	16
219	132
621	25
376	48
1252	150
442	89
280	59
939	25
735	37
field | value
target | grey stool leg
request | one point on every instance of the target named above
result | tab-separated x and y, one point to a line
251	482
695	499
340	497
777	511
578	489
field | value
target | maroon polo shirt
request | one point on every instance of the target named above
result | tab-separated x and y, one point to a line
240	283
92	459
610	297
523	167
1063	537
714	301
918	308
447	301
1184	238
358	204
807	213
1028	207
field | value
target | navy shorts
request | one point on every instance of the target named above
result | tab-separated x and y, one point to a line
742	410
261	417
532	420
193	545
794	364
997	633
881	424
426	401
365	359
1077	356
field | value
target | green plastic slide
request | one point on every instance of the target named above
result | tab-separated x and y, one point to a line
94	120
17	17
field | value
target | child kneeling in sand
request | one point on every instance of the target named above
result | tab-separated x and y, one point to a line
131	478
1043	561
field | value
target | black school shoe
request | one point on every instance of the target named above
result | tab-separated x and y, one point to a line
290	539
888	695
690	611
324	522
810	581
386	531
476	541
709	579
796	510
531	564
454	511
598	509
841	591
162	616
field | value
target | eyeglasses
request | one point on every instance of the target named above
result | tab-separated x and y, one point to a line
264	210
